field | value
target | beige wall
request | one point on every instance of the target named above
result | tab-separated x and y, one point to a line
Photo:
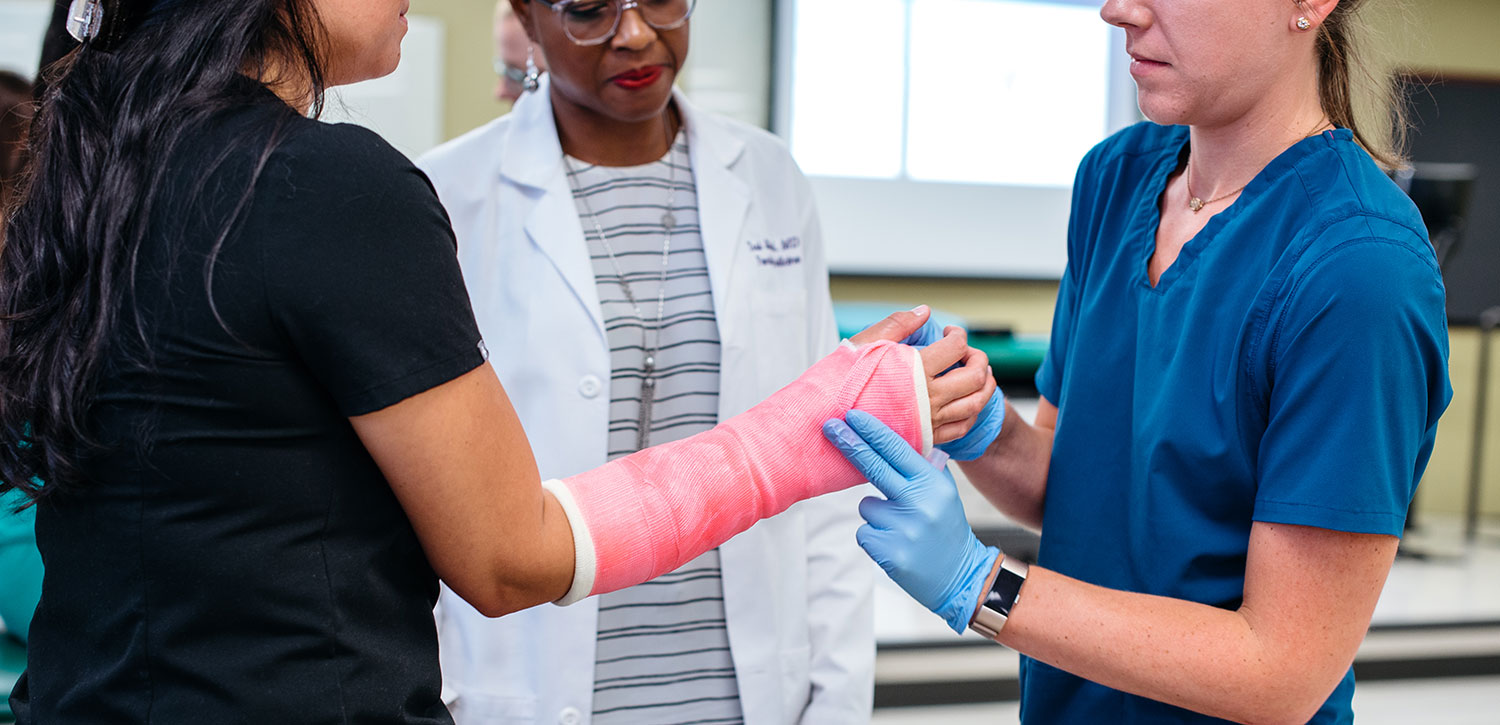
469	76
1447	36
1451	36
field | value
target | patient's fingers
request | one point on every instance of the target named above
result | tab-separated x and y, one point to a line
958	397
944	353
957	418
895	327
968	377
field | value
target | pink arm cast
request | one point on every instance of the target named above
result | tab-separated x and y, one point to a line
648	513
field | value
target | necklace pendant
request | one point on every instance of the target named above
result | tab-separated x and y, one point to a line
669	220
1195	204
648	398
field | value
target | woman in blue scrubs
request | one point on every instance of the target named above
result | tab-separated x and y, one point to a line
1247	366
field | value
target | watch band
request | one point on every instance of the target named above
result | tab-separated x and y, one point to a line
1001	598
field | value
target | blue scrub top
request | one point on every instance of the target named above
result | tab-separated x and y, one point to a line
1290	367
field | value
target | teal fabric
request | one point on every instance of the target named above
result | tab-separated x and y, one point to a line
20	566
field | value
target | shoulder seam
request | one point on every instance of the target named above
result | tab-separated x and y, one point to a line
1296	285
1252	351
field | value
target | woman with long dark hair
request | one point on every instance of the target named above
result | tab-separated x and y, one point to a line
241	381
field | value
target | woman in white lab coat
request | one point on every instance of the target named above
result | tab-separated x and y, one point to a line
536	243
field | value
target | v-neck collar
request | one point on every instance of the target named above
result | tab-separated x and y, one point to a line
1173	155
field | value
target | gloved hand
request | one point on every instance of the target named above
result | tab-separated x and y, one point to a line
918	533
986	427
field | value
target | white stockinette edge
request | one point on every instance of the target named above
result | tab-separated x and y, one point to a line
924	403
585	560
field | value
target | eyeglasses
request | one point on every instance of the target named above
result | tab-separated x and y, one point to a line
510	72
591	22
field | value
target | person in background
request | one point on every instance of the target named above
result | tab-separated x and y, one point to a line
664	269
20	564
16	109
511	49
1247	367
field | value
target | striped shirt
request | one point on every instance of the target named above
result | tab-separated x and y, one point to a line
663	647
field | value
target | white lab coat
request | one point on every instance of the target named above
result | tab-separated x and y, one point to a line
797	589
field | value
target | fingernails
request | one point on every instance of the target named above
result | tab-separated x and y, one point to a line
919	310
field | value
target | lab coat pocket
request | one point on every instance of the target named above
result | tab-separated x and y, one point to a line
472	709
779	327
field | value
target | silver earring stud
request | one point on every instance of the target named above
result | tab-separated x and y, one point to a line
533	79
1303	23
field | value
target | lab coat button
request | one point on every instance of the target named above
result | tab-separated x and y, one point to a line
590	386
570	716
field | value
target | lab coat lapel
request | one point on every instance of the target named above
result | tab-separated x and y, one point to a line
534	161
723	201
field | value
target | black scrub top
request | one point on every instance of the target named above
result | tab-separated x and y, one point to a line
238	557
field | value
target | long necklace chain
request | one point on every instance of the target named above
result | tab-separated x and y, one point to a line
1197	204
669	222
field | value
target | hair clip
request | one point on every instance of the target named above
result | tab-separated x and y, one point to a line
85	19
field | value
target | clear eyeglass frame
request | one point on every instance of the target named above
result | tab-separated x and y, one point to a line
509	72
620	6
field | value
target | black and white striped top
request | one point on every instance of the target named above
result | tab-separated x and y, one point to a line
663	648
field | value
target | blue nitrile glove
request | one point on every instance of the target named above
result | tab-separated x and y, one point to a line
986	429
928	333
918	533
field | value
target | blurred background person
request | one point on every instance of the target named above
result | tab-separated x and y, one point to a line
20	564
511	47
16	110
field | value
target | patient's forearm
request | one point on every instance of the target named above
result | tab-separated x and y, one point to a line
648	513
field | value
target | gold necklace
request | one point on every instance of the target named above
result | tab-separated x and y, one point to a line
1196	203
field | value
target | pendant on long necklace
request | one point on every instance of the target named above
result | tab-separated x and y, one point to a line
669	220
648	397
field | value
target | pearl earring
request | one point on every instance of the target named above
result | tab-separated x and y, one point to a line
533	76
1303	23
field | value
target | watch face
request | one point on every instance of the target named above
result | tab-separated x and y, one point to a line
1003	594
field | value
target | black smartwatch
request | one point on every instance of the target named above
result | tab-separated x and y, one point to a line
1001	598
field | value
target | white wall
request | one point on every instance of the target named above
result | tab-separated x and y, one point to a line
22	25
729	64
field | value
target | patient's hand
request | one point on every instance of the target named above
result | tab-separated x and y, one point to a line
958	395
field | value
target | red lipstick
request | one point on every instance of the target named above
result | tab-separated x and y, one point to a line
639	78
